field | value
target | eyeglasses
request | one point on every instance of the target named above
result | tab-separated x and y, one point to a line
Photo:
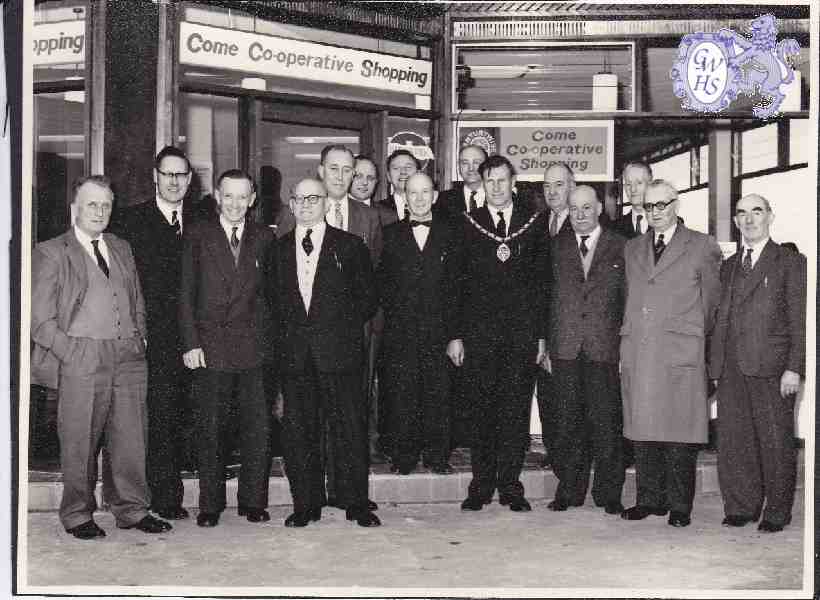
659	206
313	199
174	175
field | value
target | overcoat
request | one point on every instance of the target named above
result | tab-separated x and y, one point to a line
670	308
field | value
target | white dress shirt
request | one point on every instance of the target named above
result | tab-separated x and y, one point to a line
667	235
507	212
756	250
167	208
331	213
560	217
644	223
591	244
227	227
479	197
401	202
306	263
421	233
85	242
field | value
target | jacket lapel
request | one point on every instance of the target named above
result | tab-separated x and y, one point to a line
76	256
217	246
599	256
246	265
291	274
570	255
673	251
518	218
764	265
328	260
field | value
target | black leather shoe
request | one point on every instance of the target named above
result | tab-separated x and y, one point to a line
206	519
737	520
254	515
371	506
86	531
149	524
678	519
172	514
301	519
613	507
767	526
363	518
562	505
516	503
473	503
442	469
638	512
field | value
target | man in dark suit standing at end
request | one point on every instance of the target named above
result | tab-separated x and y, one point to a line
88	328
636	176
585	320
415	281
325	289
155	230
673	288
469	194
226	327
758	356
499	332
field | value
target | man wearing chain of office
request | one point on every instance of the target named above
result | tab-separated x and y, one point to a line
498	332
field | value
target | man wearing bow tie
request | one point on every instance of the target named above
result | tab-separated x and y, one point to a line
414	281
325	294
227	333
498	331
585	318
758	356
673	288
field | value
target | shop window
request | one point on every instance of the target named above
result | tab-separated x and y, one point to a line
798	141
555	77
693	208
209	135
675	169
792	196
759	148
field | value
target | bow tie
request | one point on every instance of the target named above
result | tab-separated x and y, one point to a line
414	223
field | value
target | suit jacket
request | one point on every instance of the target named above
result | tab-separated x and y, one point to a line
502	300
670	307
158	255
365	222
343	299
223	308
769	314
388	210
566	226
587	313
59	280
450	204
416	288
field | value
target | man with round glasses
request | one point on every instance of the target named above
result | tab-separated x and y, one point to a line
155	230
673	287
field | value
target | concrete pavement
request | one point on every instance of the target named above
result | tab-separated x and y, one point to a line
426	549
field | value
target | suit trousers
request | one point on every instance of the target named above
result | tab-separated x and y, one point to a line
214	393
665	474
756	456
589	424
546	409
500	379
318	405
460	408
106	403
168	388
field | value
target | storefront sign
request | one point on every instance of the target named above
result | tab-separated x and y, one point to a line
417	145
586	146
59	43
214	47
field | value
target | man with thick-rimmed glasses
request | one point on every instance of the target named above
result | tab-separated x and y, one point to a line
155	230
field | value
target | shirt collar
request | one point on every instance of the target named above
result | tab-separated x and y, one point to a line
166	208
593	236
317	230
86	239
667	235
365	202
756	248
228	227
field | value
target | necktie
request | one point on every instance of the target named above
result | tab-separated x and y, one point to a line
175	223
747	262
307	244
583	246
234	239
501	228
660	246
100	259
554	224
473	204
414	223
338	215
638	219
406	213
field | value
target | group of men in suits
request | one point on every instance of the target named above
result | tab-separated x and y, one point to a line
466	301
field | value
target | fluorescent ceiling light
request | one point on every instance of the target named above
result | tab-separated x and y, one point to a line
327	139
307	156
60	138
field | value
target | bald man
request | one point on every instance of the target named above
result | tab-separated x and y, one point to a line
758	356
415	282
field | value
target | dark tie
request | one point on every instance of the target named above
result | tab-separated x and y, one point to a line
414	223
473	204
660	246
307	244
583	247
554	224
234	239
501	228
175	223
638	219
100	259
406	213
747	262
